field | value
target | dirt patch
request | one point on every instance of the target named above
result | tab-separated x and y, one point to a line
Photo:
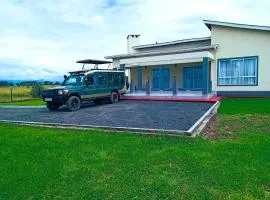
211	128
266	188
229	126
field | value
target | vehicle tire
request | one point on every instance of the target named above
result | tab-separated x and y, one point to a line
52	106
73	103
97	101
114	97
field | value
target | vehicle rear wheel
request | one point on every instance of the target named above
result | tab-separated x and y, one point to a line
52	106
114	97
73	103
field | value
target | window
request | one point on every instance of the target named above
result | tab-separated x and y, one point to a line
89	80
115	79
73	80
102	79
238	71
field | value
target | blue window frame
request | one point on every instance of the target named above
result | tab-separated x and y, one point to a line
238	71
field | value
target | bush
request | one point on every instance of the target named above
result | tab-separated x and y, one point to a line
36	90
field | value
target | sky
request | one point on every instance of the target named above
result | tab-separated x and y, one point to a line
42	39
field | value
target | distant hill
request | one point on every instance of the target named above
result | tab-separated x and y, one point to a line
29	82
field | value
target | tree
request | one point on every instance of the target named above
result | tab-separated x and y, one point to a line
36	90
6	83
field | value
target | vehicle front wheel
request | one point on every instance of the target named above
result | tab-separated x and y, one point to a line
73	103
52	106
114	97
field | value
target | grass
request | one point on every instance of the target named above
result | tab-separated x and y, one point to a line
42	163
245	106
33	102
19	93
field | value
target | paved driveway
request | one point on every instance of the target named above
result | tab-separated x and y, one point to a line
131	114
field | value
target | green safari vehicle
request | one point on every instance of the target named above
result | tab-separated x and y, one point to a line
86	85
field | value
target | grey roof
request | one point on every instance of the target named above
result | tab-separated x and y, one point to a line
93	61
209	24
172	42
134	55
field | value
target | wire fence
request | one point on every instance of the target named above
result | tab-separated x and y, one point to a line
10	94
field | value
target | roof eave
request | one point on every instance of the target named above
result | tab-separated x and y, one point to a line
214	47
210	23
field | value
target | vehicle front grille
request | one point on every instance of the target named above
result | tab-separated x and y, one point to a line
47	93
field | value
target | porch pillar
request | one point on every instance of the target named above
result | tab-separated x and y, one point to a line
174	86
131	86
148	88
206	76
139	77
160	75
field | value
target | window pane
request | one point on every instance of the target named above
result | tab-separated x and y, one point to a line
224	71
250	65
224	68
237	65
222	81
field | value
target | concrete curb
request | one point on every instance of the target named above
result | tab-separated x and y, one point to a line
85	127
199	126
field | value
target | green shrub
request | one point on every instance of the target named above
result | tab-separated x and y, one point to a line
36	90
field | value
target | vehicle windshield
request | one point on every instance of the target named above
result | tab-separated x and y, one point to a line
74	80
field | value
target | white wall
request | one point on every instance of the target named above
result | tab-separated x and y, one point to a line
167	59
234	42
116	63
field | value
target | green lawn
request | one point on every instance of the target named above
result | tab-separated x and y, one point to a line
34	102
42	163
245	106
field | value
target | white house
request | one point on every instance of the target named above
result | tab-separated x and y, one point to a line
233	61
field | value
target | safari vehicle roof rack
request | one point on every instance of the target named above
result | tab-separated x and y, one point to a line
95	62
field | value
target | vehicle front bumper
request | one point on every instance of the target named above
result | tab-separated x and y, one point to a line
59	99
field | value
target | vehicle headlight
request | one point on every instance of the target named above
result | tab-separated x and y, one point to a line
60	92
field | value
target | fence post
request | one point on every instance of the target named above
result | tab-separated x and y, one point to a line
11	94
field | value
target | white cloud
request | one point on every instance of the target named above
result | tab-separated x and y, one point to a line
49	36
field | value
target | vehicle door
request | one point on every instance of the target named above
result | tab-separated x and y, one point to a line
101	86
89	88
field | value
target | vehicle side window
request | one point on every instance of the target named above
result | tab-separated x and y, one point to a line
121	79
110	79
89	80
101	79
115	79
